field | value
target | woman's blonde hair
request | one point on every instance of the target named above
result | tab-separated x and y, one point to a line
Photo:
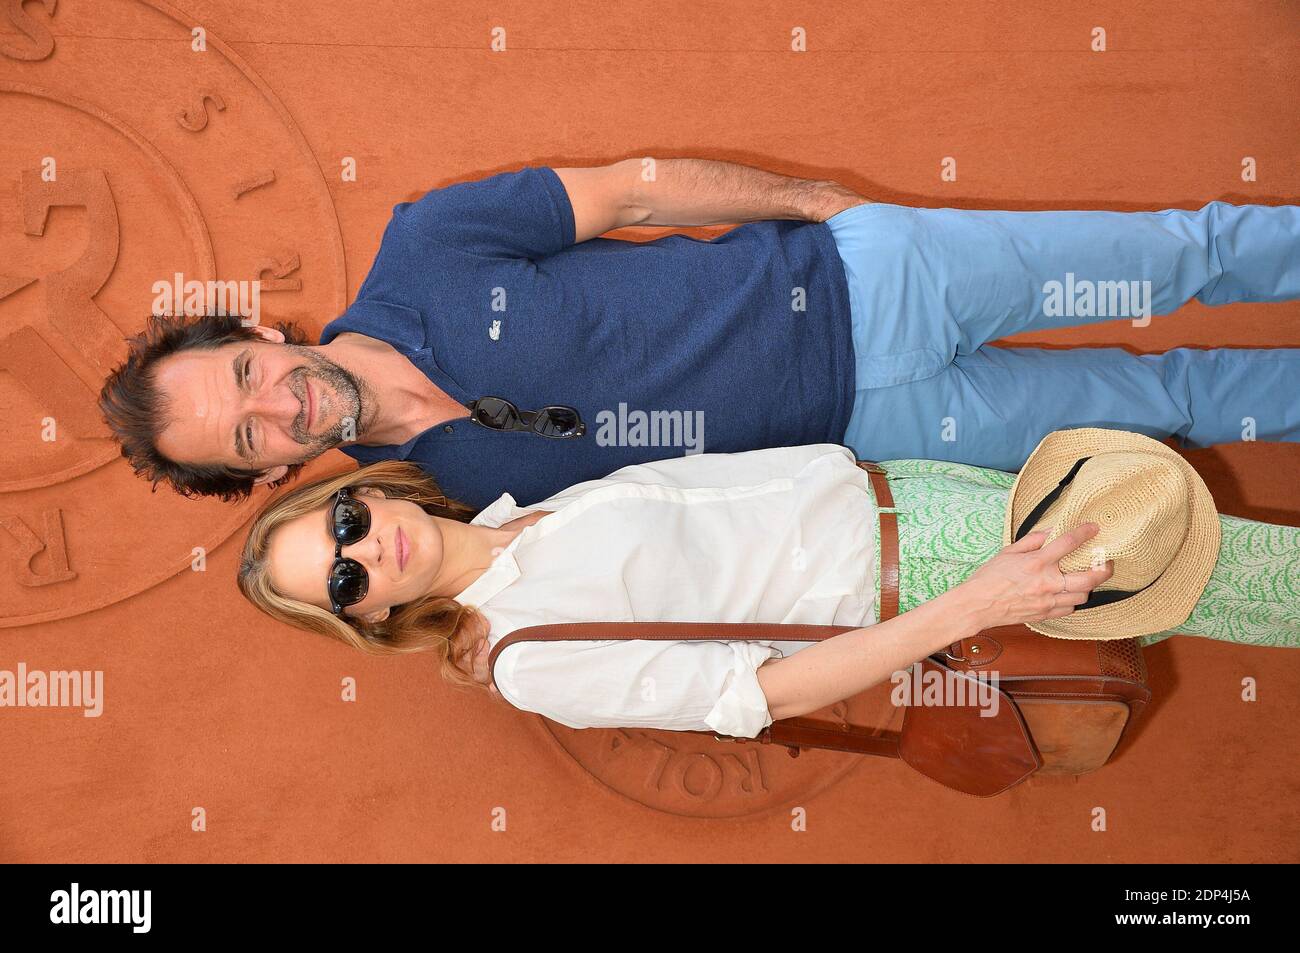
432	623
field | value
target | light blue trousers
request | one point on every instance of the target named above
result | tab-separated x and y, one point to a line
929	287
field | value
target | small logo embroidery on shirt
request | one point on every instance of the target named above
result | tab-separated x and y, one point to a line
494	332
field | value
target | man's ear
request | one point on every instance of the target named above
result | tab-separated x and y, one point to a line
379	615
271	475
267	334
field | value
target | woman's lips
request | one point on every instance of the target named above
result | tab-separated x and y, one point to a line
403	548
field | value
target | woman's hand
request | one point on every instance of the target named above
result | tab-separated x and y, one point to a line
1023	583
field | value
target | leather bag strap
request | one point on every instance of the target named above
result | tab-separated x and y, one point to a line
888	539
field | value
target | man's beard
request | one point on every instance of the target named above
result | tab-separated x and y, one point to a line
343	393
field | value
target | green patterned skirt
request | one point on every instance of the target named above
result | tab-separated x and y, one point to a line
950	523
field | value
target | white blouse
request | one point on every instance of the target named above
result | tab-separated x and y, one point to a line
780	535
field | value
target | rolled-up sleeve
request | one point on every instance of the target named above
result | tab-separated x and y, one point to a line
680	686
741	709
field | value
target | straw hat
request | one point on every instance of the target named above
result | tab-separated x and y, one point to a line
1158	523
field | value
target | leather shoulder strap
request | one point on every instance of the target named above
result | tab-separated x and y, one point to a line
667	631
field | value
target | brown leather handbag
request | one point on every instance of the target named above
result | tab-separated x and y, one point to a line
1063	704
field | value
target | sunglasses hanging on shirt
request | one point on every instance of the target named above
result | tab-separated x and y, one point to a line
556	420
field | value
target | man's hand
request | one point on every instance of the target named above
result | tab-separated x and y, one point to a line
688	192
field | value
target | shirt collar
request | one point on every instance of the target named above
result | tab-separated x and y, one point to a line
504	569
365	454
404	328
501	510
397	324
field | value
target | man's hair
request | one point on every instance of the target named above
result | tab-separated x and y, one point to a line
136	410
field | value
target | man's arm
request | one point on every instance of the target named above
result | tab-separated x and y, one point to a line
685	192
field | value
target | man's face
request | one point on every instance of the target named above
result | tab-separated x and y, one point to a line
255	405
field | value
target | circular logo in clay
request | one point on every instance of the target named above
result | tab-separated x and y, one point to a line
143	163
695	775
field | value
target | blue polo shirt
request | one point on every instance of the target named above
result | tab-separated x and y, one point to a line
665	347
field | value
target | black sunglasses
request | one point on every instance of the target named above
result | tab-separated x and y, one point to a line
349	523
556	420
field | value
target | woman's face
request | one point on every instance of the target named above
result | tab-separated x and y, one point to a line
401	553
